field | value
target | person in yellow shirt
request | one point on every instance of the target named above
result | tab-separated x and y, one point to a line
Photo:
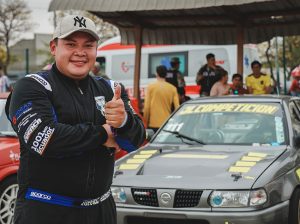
160	98
257	82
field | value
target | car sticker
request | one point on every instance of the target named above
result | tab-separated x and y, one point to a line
229	107
138	159
279	130
298	173
247	162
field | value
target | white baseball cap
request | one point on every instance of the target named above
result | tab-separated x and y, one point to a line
74	23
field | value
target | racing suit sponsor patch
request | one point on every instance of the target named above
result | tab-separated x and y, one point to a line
41	140
40	195
25	120
40	80
100	103
31	128
21	111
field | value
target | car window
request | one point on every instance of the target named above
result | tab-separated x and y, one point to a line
5	127
295	116
228	123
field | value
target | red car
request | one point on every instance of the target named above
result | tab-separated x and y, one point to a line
9	164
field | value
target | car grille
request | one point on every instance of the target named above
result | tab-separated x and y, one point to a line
144	196
144	220
186	198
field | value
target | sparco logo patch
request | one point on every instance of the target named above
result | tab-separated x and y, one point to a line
91	202
41	80
41	140
40	195
31	129
100	103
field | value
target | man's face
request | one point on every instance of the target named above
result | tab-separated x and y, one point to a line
237	82
75	55
211	62
256	69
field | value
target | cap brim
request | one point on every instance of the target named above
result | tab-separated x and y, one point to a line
92	33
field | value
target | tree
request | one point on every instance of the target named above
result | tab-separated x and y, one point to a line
14	19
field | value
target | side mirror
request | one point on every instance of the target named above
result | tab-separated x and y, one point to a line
149	134
296	141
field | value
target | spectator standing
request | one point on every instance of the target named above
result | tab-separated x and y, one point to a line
236	87
258	82
160	98
295	86
69	125
96	71
176	78
221	87
5	85
208	75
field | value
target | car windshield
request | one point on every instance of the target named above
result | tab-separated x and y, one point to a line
5	127
225	123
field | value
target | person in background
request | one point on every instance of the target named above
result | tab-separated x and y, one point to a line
258	82
5	85
295	86
208	75
96	71
176	78
221	87
236	87
69	125
160	98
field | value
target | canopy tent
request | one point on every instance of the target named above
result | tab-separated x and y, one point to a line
193	21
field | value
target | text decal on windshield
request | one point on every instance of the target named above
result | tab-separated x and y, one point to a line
230	107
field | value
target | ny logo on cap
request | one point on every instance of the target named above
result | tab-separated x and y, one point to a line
81	21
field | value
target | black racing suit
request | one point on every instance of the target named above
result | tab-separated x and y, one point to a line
59	125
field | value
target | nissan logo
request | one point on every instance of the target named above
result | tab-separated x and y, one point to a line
165	198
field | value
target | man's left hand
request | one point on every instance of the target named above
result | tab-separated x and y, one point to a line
115	113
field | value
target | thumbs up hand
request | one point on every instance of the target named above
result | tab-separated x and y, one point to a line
115	113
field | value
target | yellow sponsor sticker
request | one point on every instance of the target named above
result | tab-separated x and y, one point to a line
137	161
147	152
142	156
249	177
257	154
298	173
239	169
195	156
245	163
129	166
251	159
230	107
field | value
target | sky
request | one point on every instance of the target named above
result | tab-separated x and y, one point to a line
40	17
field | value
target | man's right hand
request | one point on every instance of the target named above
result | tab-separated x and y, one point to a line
110	142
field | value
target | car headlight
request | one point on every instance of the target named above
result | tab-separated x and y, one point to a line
237	199
118	194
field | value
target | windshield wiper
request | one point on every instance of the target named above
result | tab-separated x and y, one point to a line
182	136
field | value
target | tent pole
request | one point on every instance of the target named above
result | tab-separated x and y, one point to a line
240	48
137	65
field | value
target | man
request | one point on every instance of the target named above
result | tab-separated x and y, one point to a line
176	78
208	75
4	82
237	85
257	82
69	125
96	71
161	96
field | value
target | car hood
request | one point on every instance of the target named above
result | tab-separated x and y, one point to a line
204	167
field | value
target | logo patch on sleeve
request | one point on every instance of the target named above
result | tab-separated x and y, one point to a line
40	80
100	104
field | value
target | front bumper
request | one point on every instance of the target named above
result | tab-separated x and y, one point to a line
277	214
